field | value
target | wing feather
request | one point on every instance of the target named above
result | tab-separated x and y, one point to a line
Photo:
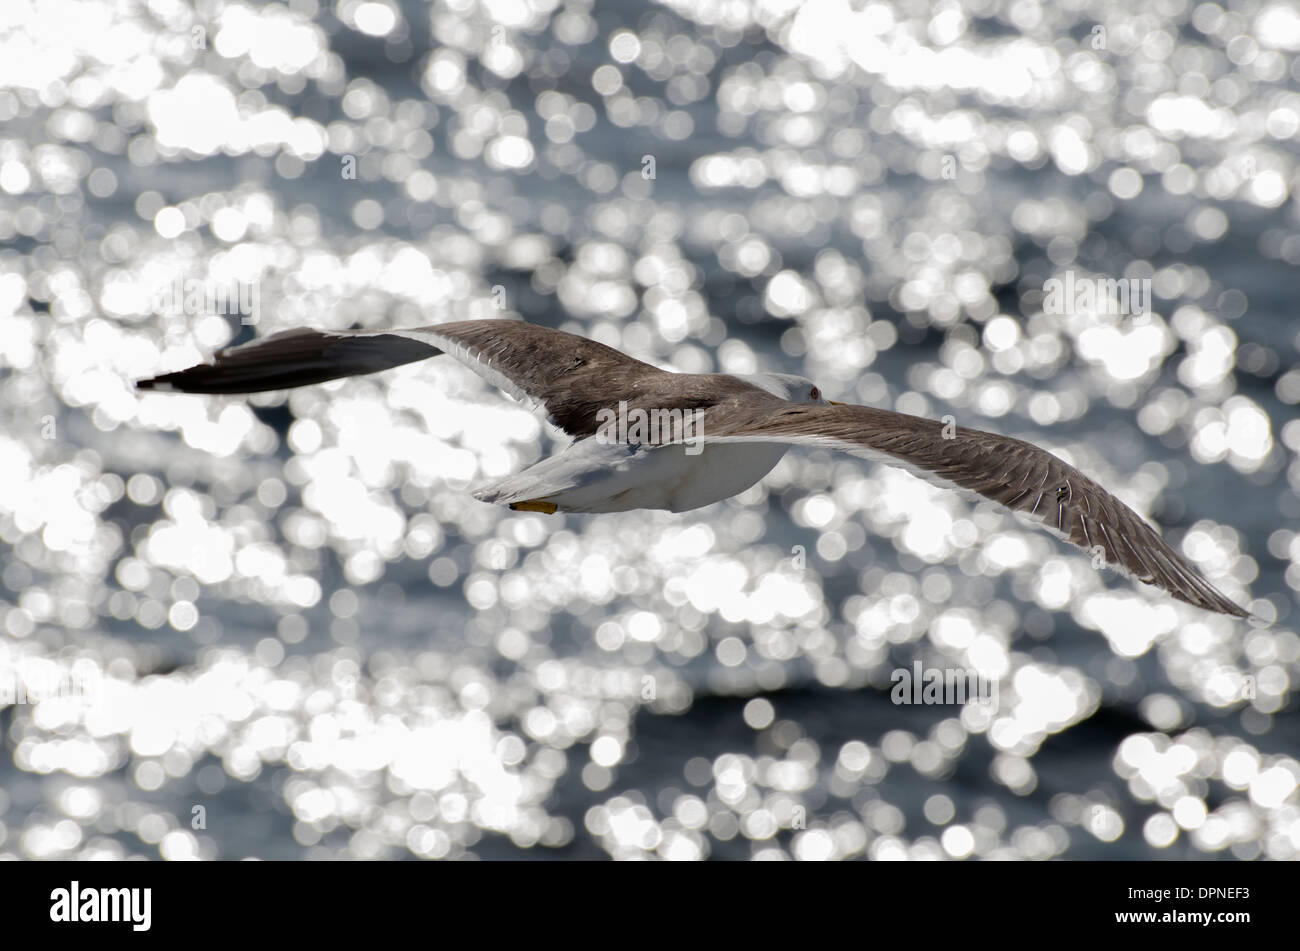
558	371
1014	473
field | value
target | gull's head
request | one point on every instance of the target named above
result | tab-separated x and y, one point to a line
787	386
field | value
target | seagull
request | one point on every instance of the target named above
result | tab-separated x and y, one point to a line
719	434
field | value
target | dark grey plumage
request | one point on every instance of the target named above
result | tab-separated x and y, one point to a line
293	358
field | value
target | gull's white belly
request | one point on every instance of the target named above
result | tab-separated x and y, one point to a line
590	476
721	471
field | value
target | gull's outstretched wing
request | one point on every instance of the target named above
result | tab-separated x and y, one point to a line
1014	473
550	368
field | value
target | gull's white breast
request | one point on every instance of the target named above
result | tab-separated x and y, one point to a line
723	470
594	476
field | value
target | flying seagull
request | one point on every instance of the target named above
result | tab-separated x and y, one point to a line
720	433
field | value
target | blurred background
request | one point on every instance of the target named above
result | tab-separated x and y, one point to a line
280	626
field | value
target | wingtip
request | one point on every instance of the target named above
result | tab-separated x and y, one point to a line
1222	604
1255	620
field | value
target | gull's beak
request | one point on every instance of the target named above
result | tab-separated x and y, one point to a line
837	403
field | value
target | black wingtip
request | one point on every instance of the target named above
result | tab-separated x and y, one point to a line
157	384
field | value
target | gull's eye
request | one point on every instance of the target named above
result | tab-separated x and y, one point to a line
815	393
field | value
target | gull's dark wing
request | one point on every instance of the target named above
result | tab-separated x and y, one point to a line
561	372
1014	473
